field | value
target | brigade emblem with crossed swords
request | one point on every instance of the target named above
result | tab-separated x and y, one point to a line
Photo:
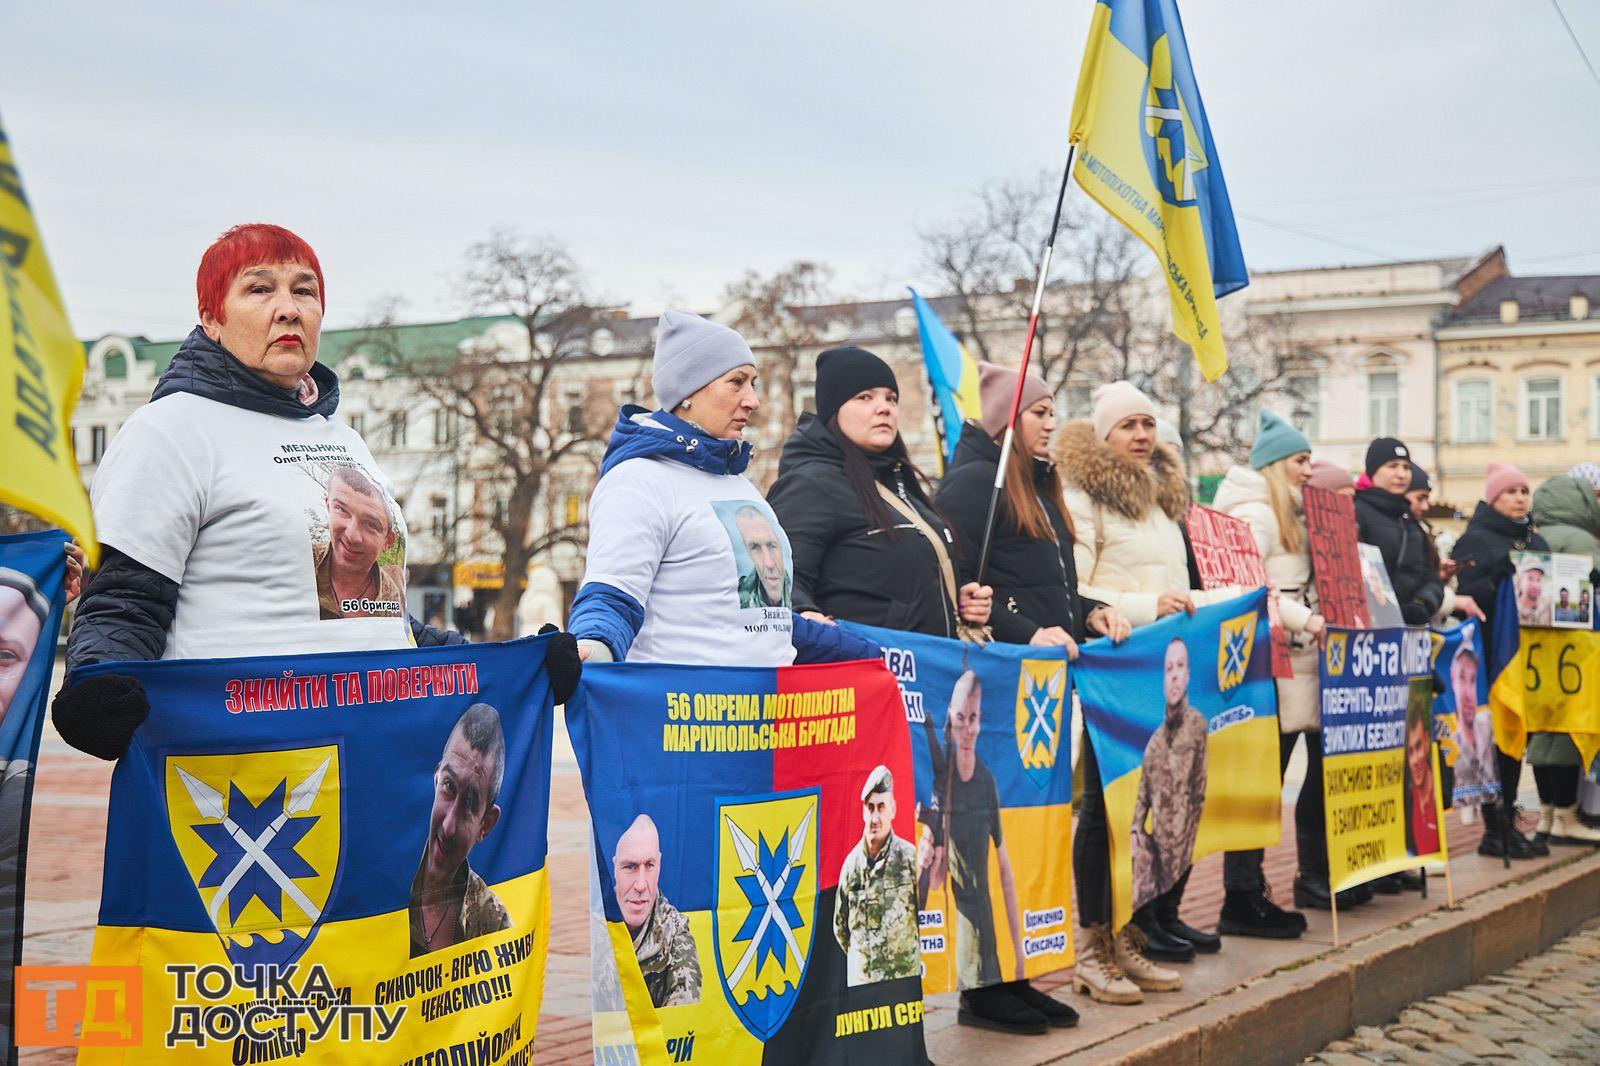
255	845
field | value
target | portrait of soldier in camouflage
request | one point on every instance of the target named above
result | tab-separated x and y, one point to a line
661	939
875	909
1172	788
450	903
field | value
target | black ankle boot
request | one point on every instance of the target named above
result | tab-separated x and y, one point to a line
1057	1013
1311	890
1253	914
996	1008
1161	946
1500	839
1205	943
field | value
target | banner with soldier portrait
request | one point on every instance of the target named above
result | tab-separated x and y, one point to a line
32	573
1463	724
1380	769
991	737
1184	720
336	857
1546	680
755	852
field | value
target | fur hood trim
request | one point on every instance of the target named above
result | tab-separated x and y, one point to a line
1115	481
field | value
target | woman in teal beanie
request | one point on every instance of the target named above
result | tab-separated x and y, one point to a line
1266	494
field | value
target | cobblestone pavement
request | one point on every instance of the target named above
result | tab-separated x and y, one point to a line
1540	1011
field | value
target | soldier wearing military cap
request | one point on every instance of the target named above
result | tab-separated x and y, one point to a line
875	909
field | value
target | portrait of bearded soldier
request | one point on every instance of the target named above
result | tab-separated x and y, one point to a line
875	908
1172	788
661	939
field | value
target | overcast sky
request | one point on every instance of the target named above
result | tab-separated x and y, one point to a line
675	146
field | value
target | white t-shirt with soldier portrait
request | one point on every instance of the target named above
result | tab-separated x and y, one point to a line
703	554
280	532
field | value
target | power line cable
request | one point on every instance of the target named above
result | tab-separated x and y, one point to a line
1595	74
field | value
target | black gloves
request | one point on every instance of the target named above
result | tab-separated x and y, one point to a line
561	662
1415	613
99	715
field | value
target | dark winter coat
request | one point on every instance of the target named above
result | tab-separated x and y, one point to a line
126	608
1035	581
1484	552
1384	519
841	567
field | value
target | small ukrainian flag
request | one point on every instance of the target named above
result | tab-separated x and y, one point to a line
1145	154
953	374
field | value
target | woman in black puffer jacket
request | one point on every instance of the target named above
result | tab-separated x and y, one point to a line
1031	567
1499	527
1384	519
858	555
1035	580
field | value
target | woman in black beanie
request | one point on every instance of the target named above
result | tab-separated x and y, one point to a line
1384	519
869	545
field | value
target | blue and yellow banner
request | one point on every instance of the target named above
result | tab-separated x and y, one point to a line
1146	155
1380	767
32	573
333	858
41	373
756	855
991	736
952	373
1544	681
1463	724
1183	716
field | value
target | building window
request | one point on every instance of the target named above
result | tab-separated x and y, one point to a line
395	429
439	517
1594	406
1305	394
1541	409
72	440
1383	403
1474	412
1080	401
358	422
443	426
572	402
97	443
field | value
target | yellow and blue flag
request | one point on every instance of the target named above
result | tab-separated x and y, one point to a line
952	373
1145	154
41	373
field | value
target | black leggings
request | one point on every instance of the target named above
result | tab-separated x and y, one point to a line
1091	846
1510	778
1558	785
1241	870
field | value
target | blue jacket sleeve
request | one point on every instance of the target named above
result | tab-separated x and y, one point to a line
427	636
605	613
818	643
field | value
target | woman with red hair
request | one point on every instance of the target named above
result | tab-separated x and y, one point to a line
237	515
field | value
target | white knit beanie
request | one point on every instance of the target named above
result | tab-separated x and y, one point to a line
1115	401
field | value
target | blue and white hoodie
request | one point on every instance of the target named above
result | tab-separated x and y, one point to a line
686	562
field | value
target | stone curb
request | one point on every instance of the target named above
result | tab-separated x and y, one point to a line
1297	1010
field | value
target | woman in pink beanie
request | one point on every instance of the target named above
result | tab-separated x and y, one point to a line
1499	526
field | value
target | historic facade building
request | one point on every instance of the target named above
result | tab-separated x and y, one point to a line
1519	382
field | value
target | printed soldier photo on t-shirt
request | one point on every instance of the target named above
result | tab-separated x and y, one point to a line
761	551
358	547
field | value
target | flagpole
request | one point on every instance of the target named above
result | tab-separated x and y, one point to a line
1022	371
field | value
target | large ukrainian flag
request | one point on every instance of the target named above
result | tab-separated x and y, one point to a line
952	373
41	373
1145	154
